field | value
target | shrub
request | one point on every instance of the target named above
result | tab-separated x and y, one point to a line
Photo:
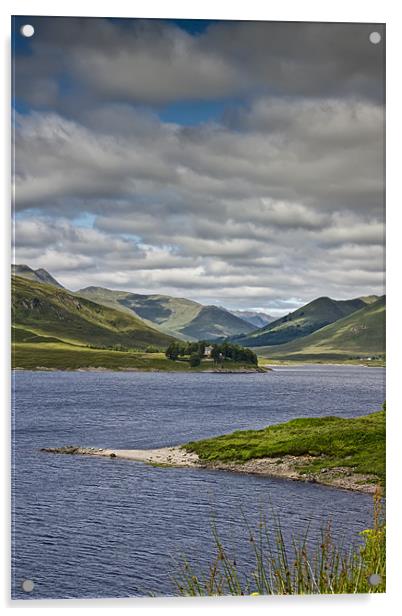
194	360
152	349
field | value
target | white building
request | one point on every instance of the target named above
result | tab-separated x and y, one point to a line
208	351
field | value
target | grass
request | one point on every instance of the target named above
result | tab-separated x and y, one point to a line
358	443
281	568
53	354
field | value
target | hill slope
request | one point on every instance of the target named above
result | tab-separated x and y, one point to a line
175	316
39	275
53	312
302	322
360	334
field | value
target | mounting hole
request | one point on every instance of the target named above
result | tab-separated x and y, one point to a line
27	30
27	585
375	38
374	579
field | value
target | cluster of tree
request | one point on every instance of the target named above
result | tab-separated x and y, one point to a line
110	347
181	349
233	352
219	353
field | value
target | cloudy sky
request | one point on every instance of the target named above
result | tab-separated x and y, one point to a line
234	163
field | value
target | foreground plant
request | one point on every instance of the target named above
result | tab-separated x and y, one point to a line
280	568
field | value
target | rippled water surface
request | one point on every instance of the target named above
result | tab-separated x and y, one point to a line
93	527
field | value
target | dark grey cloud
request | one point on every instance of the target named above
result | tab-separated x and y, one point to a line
154	62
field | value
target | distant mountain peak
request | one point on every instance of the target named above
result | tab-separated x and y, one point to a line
256	318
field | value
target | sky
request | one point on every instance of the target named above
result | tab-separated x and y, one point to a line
239	164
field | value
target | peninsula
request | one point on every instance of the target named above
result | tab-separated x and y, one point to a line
343	453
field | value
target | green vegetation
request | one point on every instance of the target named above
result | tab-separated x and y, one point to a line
233	352
69	357
152	349
357	336
175	316
220	353
303	321
293	568
195	360
52	354
47	310
357	443
182	349
44	312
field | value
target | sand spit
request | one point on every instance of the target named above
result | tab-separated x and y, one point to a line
286	467
166	456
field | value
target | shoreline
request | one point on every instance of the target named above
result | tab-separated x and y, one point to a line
259	370
287	467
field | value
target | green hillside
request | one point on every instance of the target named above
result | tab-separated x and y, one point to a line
212	322
361	334
302	322
176	316
39	275
45	310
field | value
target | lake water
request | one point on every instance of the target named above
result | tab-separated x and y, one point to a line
93	527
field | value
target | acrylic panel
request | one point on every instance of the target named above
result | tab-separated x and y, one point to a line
198	308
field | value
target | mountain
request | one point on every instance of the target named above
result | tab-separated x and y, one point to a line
176	316
302	322
258	319
360	334
45	310
39	275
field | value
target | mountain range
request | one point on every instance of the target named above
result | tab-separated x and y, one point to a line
179	317
43	309
175	316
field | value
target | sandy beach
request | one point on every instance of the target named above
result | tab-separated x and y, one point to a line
287	467
169	456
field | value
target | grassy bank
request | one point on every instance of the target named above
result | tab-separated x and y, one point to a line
322	443
60	356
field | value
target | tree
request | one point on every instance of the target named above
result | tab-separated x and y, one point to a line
173	350
194	360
